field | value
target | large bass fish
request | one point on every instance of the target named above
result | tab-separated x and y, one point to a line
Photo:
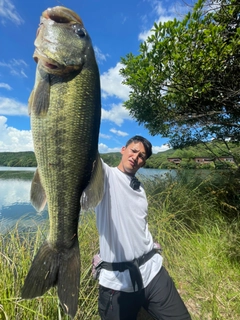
65	110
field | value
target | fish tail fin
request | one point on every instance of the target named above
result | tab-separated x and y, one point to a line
43	273
69	279
50	268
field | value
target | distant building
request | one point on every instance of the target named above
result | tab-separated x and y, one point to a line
203	160
227	159
175	160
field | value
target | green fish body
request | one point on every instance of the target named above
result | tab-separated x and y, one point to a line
65	108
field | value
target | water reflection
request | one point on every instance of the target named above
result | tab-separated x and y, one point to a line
15	206
14	191
144	173
17	168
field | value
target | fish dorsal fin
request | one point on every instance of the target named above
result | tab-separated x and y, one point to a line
37	193
93	193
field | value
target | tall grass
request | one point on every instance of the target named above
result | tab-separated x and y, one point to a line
200	250
16	252
201	245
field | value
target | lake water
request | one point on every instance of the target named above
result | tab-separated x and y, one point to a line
15	206
17	169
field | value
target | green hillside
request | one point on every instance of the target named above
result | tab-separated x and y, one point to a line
211	150
18	159
159	160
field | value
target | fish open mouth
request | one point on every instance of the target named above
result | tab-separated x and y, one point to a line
62	15
50	65
47	43
45	61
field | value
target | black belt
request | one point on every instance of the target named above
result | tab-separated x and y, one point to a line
132	266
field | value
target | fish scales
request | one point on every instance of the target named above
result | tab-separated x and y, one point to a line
67	156
65	113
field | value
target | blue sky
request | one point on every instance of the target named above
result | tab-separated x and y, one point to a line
116	28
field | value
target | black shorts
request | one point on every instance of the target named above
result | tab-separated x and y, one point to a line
160	299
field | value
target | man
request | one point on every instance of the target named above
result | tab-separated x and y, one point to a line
131	274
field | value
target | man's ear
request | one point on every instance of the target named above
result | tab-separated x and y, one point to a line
122	150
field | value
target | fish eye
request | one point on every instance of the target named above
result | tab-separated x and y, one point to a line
79	30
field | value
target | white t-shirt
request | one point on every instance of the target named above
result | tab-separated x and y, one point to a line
123	230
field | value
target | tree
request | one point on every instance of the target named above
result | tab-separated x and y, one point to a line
185	83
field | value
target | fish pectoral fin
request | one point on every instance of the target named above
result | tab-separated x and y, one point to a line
41	96
93	193
30	102
37	193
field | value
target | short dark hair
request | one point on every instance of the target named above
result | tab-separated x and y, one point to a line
147	144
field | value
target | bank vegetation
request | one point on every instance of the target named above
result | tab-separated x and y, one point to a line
190	217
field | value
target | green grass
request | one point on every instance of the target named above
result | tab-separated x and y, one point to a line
16	253
201	247
200	250
205	276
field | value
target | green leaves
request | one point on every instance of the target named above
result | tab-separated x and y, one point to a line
187	75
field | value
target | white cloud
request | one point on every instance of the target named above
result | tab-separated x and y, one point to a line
156	149
15	67
159	9
99	55
124	18
164	14
22	73
118	132
12	107
19	62
5	86
104	136
145	34
116	114
14	191
12	139
111	83
9	12
103	148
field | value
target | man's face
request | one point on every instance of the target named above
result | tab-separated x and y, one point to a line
133	158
